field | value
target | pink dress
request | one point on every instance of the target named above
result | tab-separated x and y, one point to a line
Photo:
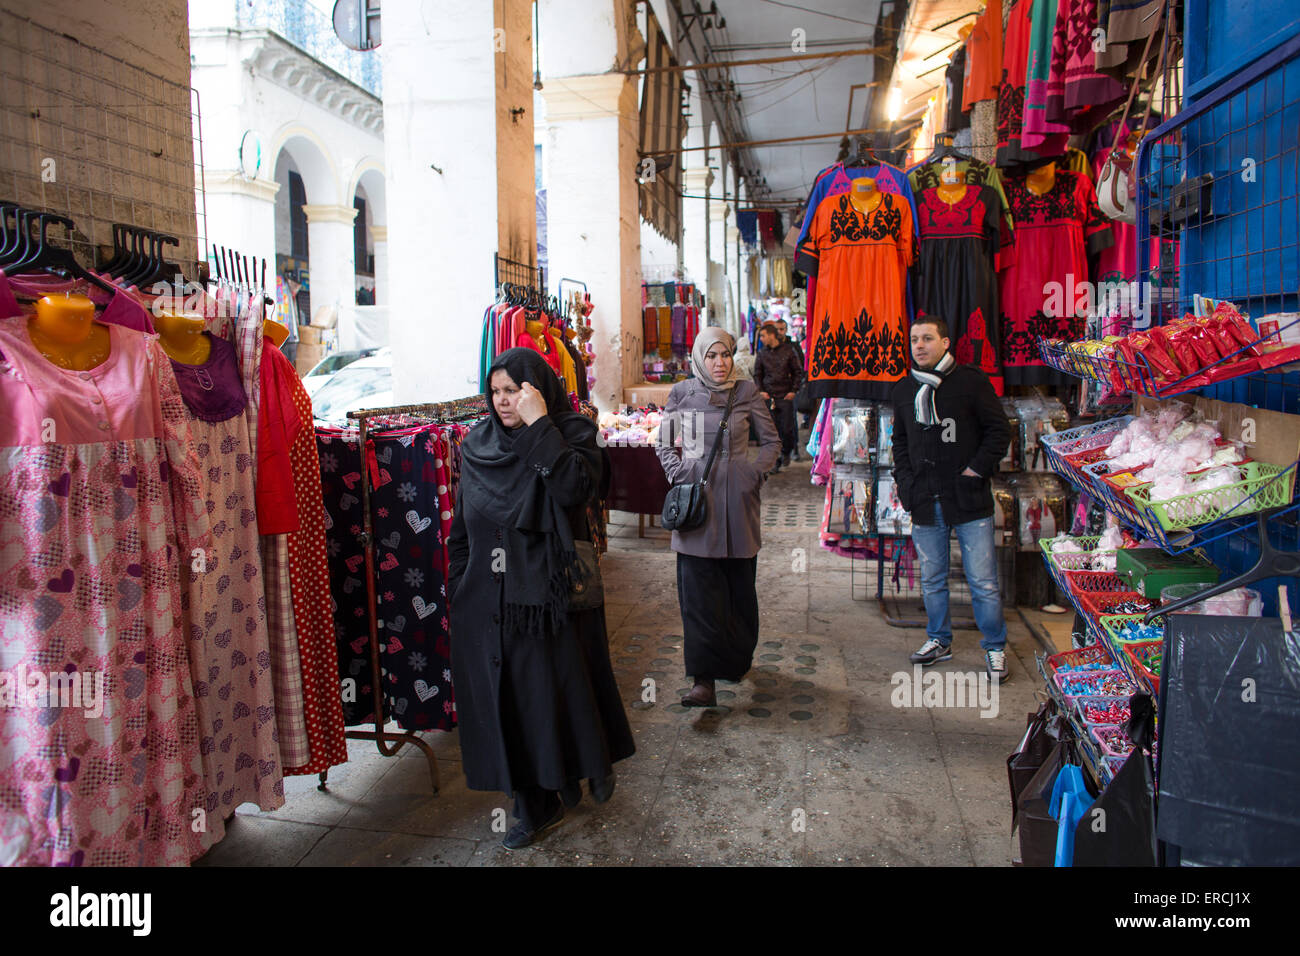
230	659
100	497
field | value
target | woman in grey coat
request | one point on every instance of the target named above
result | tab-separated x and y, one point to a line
717	562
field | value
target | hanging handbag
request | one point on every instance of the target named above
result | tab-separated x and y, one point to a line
686	507
1117	182
588	589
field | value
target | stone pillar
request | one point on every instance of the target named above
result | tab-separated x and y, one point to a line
590	145
734	279
695	225
332	257
380	236
719	211
453	75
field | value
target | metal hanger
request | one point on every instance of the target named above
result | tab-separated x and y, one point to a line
46	257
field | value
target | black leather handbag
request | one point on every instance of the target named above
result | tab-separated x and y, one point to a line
686	507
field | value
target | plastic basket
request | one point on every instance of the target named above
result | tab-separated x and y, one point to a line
1092	654
1264	486
1091	682
1082	703
1059	562
1093	603
1141	655
1081	438
1100	733
1081	582
1112	623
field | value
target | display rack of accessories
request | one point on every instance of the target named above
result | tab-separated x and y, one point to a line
1226	332
463	410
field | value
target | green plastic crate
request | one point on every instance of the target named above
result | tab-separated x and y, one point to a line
1202	507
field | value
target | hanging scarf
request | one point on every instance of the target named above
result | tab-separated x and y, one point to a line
540	558
930	381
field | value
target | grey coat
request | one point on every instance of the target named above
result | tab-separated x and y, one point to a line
691	420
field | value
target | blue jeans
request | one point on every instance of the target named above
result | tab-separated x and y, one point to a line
979	561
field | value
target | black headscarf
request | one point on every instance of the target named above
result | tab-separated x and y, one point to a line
539	553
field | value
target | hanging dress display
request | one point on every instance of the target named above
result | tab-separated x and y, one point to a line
1055	234
230	659
956	277
100	501
858	345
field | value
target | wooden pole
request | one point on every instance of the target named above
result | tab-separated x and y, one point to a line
765	142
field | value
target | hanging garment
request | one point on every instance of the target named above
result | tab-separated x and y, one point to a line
93	527
409	579
983	57
664	331
954	77
1126	25
861	259
1055	232
225	605
837	179
929	175
955	276
650	327
1089	93
1045	129
1011	89
317	679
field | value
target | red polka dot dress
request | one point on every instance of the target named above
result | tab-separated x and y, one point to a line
310	584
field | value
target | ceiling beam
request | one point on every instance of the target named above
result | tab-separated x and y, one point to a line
723	64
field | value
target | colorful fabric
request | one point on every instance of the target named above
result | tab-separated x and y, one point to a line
983	57
859	346
1056	232
313	618
92	527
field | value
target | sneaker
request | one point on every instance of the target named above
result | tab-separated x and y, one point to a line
932	652
520	836
995	663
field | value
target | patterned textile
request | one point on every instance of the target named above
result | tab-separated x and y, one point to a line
313	618
92	528
286	661
408	472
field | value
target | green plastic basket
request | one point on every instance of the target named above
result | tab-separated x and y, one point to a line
1201	507
1112	623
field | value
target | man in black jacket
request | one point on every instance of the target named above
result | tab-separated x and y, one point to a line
778	375
950	433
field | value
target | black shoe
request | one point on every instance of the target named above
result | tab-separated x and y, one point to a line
571	795
701	695
602	790
520	836
795	455
785	461
931	652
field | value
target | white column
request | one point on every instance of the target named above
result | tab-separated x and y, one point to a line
443	93
332	257
241	214
719	211
695	225
380	236
593	224
734	279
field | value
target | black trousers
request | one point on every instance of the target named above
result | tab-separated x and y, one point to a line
535	806
786	425
719	604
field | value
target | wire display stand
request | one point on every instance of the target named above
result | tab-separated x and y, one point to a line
511	272
437	412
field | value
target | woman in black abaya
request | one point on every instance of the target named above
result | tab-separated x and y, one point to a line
536	700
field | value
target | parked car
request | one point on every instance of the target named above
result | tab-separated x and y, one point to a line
365	383
321	372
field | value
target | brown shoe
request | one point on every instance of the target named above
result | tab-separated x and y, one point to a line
701	695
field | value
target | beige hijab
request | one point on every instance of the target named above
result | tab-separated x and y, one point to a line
706	339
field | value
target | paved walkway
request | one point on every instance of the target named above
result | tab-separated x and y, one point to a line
808	762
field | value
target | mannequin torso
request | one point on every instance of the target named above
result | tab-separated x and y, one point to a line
182	337
1042	179
64	330
864	195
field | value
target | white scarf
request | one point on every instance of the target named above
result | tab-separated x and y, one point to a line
930	381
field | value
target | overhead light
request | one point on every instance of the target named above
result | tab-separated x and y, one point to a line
895	105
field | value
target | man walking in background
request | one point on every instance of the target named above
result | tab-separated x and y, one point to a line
950	433
778	375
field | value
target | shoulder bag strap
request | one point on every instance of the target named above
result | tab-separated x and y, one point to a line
717	439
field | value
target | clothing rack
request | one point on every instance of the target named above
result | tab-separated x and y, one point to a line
436	412
518	273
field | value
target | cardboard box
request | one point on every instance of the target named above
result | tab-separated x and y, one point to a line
308	356
310	335
1268	436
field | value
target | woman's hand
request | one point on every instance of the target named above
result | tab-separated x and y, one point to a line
531	405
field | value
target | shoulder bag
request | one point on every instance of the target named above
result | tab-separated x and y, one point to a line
686	507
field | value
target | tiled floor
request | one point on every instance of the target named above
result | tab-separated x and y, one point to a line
808	762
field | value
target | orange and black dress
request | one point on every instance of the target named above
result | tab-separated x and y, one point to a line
858	346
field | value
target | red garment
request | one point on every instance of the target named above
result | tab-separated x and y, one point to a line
1039	291
312	614
278	427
